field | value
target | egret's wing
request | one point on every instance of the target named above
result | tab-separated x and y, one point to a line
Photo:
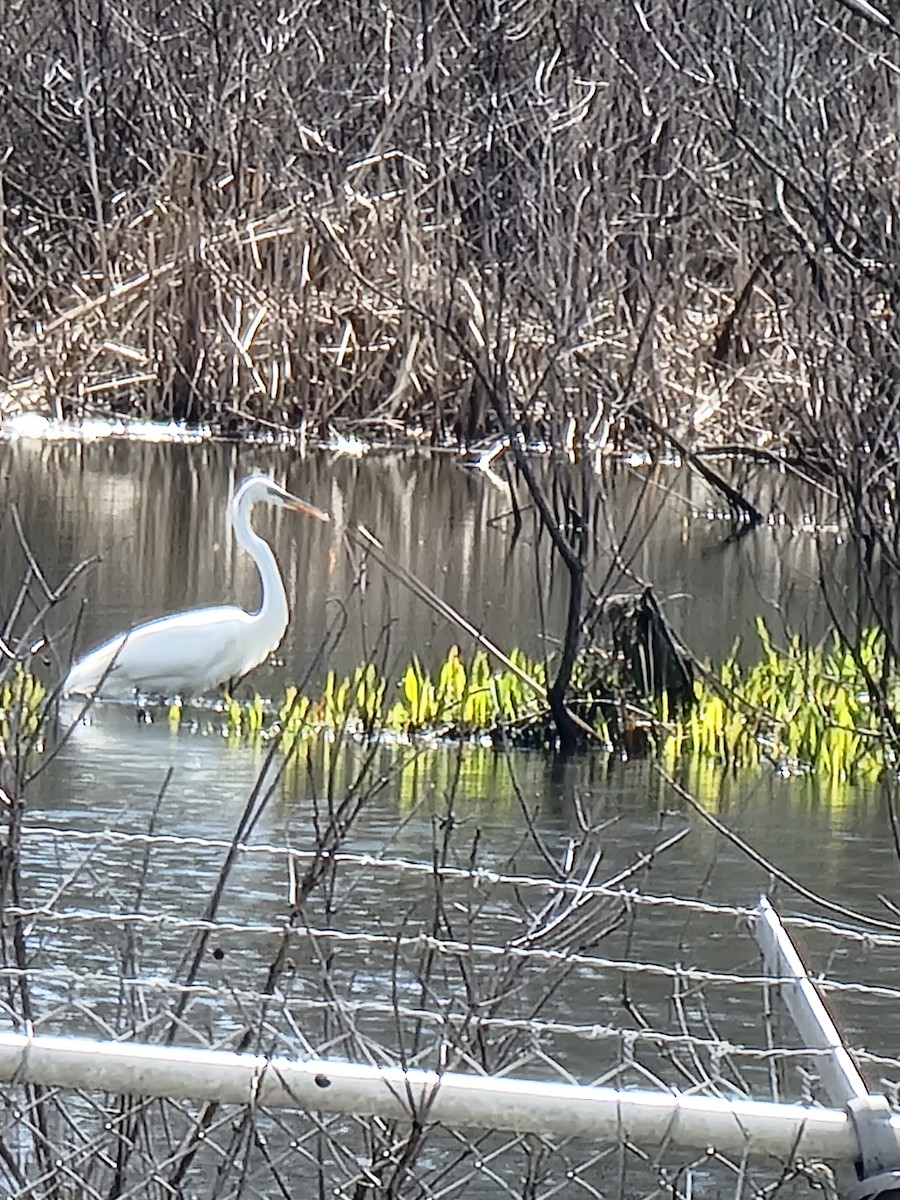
185	652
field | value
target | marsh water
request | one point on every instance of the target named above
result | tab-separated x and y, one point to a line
154	518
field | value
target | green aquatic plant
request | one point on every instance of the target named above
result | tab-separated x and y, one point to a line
803	707
466	698
463	698
800	708
22	698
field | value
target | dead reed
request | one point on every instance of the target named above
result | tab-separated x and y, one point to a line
307	220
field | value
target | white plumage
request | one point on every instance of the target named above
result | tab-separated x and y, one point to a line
196	650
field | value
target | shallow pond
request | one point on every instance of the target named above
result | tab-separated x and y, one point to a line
156	517
129	822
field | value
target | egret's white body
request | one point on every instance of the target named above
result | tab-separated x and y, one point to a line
196	650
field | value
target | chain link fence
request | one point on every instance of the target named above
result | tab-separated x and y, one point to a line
444	956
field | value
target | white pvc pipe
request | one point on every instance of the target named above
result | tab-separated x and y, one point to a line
837	1070
457	1101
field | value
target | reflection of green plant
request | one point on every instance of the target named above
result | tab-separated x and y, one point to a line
21	706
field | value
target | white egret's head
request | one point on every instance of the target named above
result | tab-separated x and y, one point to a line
261	488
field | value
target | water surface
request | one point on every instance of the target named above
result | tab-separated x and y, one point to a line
155	516
129	822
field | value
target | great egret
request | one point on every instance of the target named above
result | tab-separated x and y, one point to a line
195	650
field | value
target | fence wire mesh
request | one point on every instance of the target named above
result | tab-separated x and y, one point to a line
413	940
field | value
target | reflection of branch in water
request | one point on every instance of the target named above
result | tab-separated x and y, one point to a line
742	508
769	866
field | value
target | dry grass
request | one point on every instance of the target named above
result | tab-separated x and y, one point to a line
381	217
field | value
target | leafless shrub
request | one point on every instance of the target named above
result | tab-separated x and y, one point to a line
245	213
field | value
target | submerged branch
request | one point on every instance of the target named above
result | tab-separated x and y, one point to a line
743	508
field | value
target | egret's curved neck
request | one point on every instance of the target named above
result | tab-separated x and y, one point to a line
273	608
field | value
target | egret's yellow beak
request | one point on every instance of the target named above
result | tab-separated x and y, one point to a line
297	505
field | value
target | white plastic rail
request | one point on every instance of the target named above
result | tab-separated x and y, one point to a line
836	1068
606	1115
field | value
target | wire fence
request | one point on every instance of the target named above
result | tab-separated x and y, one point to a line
456	960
